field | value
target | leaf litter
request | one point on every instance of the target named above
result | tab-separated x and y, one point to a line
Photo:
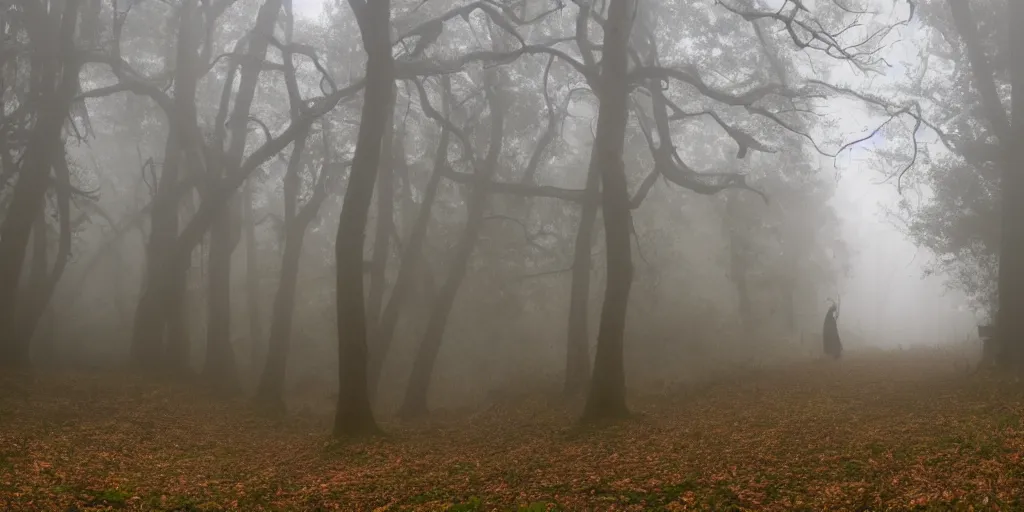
907	432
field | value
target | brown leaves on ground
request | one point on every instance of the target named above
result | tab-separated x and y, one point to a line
893	432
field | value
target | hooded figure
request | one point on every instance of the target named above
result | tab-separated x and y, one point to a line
830	334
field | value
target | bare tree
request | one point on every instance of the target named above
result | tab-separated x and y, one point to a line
354	414
411	263
607	397
55	62
415	403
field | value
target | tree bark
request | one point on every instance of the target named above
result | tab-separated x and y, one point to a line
1009	129
253	293
271	387
54	54
151	313
1010	319
354	415
415	403
385	226
409	268
37	271
738	271
577	357
607	398
42	292
221	368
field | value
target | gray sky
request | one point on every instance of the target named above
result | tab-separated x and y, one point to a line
308	8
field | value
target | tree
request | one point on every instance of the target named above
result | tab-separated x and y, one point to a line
976	186
51	36
416	393
354	416
607	396
160	306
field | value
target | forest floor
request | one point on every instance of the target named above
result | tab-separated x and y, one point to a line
904	431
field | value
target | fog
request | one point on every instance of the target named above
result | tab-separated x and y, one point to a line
721	278
511	255
887	295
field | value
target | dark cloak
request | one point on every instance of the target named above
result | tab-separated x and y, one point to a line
830	334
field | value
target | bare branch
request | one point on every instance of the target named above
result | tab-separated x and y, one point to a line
646	74
807	32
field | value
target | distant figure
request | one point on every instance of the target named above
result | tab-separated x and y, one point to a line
987	334
830	334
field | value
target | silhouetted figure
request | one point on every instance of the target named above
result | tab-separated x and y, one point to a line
830	334
987	334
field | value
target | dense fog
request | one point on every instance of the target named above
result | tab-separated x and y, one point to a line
774	165
511	255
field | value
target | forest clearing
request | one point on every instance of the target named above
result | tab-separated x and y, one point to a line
910	430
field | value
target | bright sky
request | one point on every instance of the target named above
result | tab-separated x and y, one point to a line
308	8
886	298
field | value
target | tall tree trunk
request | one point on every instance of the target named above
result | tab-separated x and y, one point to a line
150	322
738	260
174	287
385	224
410	266
271	387
789	304
152	317
54	53
39	299
577	357
217	197
220	369
415	403
220	363
1010	320
607	398
252	279
37	271
354	415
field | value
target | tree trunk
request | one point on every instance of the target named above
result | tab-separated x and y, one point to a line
220	369
607	398
738	261
1010	320
54	54
415	403
177	351
151	312
409	267
789	304
354	414
149	322
42	291
252	279
577	357
36	273
385	224
271	387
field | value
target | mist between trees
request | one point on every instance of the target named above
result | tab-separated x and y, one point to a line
405	206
